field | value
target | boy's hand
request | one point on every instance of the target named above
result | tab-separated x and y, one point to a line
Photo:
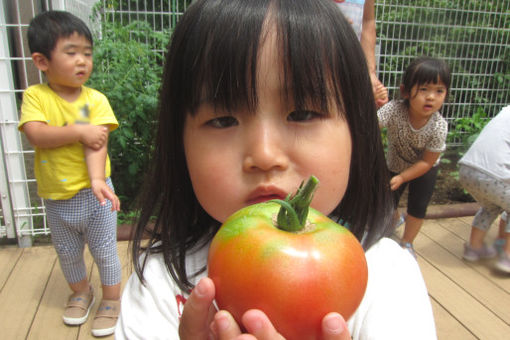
102	192
201	322
93	136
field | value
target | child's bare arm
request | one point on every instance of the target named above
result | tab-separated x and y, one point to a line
416	170
42	135
96	160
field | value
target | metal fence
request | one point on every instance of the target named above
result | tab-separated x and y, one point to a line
472	36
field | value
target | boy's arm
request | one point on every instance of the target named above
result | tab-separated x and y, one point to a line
416	170
96	161
42	135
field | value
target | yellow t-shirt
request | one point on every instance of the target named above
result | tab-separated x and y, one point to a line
62	172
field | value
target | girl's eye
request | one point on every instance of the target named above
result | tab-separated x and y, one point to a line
222	122
303	115
71	53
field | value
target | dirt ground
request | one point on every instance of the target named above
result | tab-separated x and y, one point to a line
448	189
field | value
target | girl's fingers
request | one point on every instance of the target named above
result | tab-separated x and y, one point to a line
334	328
196	314
224	326
258	324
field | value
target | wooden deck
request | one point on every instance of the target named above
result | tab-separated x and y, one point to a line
470	301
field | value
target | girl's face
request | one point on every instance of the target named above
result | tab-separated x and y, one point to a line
426	99
241	158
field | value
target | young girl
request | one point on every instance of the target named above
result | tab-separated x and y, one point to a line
416	137
257	96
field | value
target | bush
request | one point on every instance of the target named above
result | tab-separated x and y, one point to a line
127	69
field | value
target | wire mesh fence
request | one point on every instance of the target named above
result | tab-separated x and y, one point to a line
472	36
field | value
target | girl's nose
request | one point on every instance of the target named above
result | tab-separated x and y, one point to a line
265	149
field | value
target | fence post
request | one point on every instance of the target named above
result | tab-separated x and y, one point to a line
12	151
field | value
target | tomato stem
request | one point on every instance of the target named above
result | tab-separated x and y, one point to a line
294	210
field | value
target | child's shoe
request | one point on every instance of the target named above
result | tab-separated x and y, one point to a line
503	263
499	244
471	254
409	247
106	318
401	220
78	308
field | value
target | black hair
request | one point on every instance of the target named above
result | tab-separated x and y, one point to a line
46	28
213	52
425	70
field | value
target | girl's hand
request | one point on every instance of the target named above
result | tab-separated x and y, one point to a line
198	312
396	182
201	321
259	327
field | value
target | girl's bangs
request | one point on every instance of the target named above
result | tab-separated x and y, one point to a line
224	72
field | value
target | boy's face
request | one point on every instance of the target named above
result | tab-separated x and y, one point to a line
241	158
70	64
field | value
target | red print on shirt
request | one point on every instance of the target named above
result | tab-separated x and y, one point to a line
181	300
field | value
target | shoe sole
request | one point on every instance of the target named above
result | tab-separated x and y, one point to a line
103	332
503	268
79	321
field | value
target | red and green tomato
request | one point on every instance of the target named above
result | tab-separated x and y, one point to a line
296	278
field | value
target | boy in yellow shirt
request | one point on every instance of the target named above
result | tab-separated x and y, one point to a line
68	125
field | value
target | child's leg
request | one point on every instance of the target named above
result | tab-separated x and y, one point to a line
420	193
68	241
65	221
503	263
102	241
490	193
412	228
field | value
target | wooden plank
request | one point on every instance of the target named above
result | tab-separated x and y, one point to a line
478	285
461	226
447	327
452	235
22	292
8	258
469	311
48	320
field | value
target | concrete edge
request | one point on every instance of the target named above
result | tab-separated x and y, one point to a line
125	231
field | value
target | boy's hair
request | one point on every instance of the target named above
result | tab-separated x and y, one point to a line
46	28
426	70
213	54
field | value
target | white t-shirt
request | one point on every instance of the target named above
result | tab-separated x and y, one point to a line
395	306
405	143
490	152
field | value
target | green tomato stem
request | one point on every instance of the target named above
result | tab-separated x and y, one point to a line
294	211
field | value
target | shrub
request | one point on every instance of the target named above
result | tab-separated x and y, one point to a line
128	70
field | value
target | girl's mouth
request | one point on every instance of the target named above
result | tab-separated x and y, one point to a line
263	198
265	193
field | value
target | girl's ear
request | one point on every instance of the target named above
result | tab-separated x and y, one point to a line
403	92
40	61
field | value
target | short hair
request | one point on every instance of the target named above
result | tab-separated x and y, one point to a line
424	70
213	53
46	28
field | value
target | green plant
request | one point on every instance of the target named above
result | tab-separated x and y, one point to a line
467	129
128	68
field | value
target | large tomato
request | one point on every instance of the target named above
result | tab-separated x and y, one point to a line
296	277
